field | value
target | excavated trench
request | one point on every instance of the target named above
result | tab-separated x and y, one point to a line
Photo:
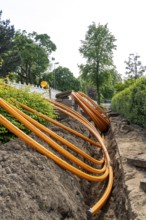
118	206
126	141
34	187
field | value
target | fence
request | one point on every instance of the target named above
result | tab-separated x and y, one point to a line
47	93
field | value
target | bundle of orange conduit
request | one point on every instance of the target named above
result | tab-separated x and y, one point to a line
101	122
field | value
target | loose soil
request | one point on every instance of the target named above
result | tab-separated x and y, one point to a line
33	187
130	141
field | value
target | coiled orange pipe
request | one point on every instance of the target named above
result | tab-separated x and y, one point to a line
26	120
57	123
74	170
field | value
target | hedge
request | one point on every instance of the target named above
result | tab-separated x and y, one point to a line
33	100
131	102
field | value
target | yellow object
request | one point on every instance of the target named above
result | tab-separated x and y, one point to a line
44	84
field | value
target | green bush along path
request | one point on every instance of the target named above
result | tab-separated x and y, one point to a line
131	102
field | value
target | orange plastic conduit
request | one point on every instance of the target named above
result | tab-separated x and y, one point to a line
103	117
69	110
73	116
57	123
88	125
47	153
101	126
59	138
96	106
50	141
102	201
105	196
95	115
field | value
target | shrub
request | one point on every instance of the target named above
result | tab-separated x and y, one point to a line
131	102
33	100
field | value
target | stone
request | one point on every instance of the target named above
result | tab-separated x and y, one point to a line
143	184
139	161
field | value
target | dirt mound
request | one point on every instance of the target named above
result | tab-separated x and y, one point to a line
34	187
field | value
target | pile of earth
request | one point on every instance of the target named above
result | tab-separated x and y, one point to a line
34	187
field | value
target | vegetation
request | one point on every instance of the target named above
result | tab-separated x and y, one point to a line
134	67
134	70
9	57
97	49
25	55
119	86
131	102
33	100
62	79
34	50
111	83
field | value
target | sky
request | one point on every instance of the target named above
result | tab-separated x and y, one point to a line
67	21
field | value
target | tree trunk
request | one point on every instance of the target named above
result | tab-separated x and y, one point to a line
27	75
21	80
98	83
98	95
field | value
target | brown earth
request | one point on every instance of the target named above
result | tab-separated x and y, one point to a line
33	187
130	140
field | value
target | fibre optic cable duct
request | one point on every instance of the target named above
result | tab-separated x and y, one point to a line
97	174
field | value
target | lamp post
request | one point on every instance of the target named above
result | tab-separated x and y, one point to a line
54	74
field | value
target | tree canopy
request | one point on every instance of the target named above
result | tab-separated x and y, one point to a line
97	49
24	54
9	57
34	50
62	79
134	67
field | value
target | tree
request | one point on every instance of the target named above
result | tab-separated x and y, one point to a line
9	58
110	78
97	49
134	67
108	89
92	93
62	79
85	85
34	50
